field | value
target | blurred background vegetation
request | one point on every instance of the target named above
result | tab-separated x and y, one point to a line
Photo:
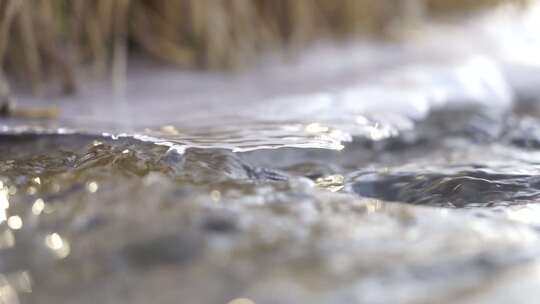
50	40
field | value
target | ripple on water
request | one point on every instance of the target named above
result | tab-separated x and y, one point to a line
466	188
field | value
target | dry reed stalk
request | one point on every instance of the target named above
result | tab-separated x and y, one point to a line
50	39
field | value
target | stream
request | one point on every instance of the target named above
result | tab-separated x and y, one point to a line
358	173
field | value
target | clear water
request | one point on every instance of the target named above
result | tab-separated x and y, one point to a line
419	184
429	214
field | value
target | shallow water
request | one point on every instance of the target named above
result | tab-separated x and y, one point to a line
397	175
430	214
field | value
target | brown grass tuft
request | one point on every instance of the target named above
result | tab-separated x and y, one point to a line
49	39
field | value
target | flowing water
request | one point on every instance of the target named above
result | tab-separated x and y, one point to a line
418	185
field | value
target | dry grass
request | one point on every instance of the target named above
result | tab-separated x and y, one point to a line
49	39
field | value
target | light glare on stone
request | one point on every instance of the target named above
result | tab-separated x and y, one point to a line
4	204
38	206
92	187
59	246
15	222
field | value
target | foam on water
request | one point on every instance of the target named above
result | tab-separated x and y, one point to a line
394	103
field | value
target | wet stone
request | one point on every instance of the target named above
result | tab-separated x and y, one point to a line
221	224
525	133
165	250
